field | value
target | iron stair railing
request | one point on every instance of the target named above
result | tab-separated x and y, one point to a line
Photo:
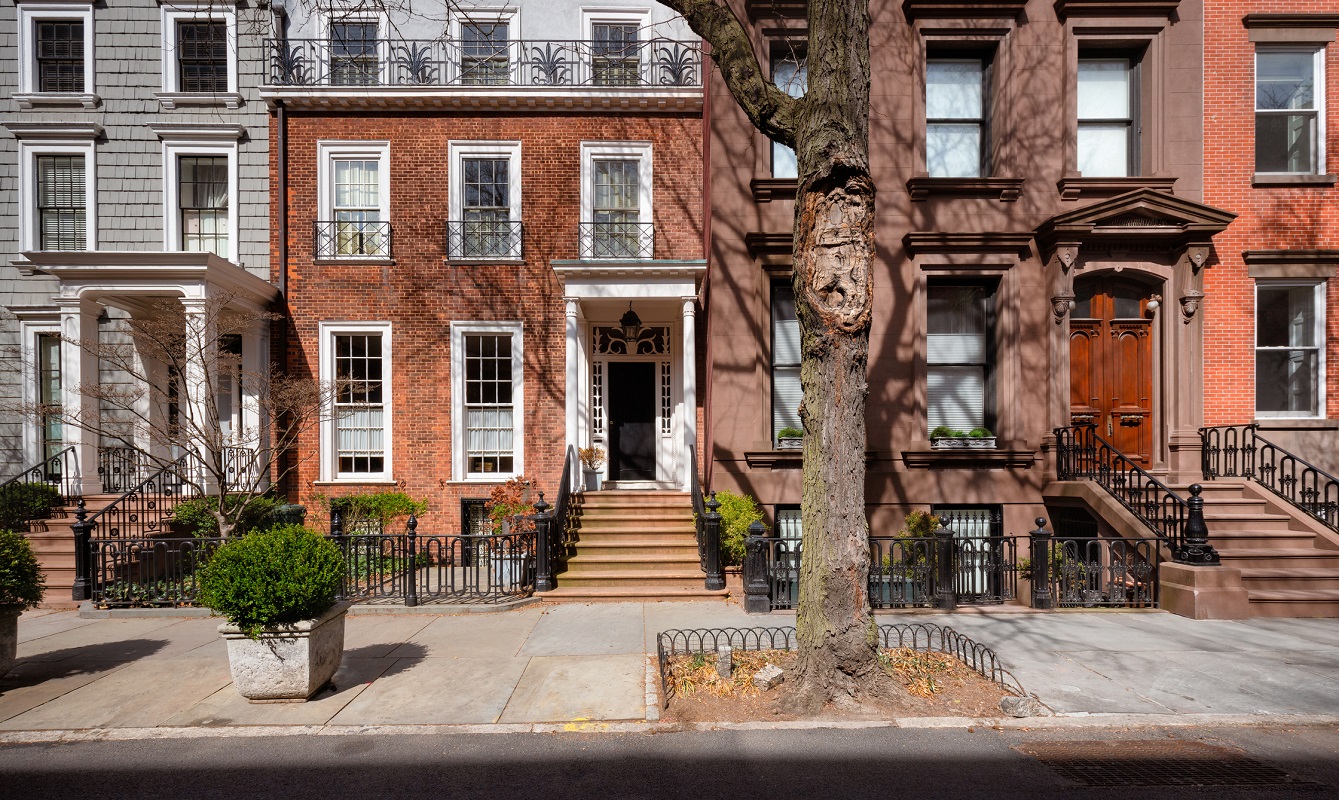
555	531
1239	451
39	491
707	526
1179	522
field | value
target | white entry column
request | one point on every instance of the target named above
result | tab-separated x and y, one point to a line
199	427
689	388
78	367
572	393
255	432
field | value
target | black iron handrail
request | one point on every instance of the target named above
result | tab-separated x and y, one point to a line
351	239
119	468
39	491
1239	451
473	238
699	511
552	64
556	530
146	508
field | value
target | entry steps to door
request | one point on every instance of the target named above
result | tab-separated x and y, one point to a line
1285	570
633	546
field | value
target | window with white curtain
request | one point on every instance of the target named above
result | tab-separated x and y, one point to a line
357	206
203	194
1108	134
487	400
360	404
1289	87
1289	351
955	118
791	75
959	356
786	391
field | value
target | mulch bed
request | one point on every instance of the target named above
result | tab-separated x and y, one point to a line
935	685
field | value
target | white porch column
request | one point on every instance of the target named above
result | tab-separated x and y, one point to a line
689	388
78	367
572	310
255	420
199	427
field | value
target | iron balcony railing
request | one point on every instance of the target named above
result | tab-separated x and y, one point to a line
352	239
483	239
1239	451
445	62
617	239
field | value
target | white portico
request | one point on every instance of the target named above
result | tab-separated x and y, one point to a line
636	397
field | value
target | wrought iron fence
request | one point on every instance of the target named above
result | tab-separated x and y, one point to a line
242	467
416	569
145	509
1082	454
120	468
144	571
617	239
351	239
445	62
1104	573
483	239
1239	451
40	492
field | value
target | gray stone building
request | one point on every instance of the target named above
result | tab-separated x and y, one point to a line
133	169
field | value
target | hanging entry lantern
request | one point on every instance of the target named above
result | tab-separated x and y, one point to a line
631	325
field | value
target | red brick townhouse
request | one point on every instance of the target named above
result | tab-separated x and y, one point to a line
1271	144
469	202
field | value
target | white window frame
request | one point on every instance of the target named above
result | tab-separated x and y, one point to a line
1319	303
459	329
357	13
326	155
590	151
174	11
637	15
457	153
32	431
29	237
29	14
1317	89
984	161
172	151
483	15
329	446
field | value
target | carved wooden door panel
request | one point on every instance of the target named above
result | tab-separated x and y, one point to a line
1111	364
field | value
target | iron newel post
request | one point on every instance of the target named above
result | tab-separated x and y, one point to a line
1041	567
411	564
83	556
757	591
1195	548
543	567
711	545
946	597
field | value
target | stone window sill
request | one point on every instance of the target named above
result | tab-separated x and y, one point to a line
356	482
1290	424
1074	188
1006	190
765	190
355	262
1276	179
484	262
171	100
27	100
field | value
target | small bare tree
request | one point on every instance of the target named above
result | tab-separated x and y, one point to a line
175	390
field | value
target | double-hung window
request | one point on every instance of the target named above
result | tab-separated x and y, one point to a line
1289	349
485	183
354	207
956	140
62	214
616	201
790	74
199	54
1288	92
202	56
615	54
786	390
49	396
356	366
354	45
487	391
60	55
203	195
55	54
1107	129
959	355
484	57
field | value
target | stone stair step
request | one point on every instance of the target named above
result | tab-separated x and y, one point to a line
592	535
631	546
1294	602
1262	539
1290	578
629	594
1219	521
588	563
1279	557
638	578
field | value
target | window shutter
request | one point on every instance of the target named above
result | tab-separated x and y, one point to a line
786	398
956	397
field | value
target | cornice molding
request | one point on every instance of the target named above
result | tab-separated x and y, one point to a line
1006	190
54	130
1065	9
1291	21
939	242
957	9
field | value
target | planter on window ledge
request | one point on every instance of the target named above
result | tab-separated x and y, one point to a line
790	439
945	438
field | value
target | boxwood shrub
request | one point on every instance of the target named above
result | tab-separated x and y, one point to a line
22	502
285	574
21	578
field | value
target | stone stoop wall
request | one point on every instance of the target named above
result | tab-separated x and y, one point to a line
1303	217
421	295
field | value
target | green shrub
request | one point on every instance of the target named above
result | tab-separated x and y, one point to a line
21	502
285	574
196	517
789	433
980	433
738	512
21	578
945	432
373	513
918	524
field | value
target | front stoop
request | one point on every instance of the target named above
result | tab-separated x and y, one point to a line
633	546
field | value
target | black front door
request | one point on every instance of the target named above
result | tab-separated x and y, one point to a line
632	420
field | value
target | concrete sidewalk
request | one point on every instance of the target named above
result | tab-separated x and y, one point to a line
580	663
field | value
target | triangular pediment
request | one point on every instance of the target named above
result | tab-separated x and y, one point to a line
1141	213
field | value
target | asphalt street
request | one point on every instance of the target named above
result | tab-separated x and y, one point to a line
777	764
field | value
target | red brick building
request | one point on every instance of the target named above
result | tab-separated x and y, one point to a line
1271	146
464	212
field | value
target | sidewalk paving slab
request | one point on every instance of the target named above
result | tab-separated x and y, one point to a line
587	630
568	688
466	636
437	691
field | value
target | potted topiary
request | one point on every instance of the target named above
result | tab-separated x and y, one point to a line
21	582
592	458
285	630
789	438
945	438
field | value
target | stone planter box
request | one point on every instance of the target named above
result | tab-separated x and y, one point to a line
790	443
288	663
9	636
962	443
592	479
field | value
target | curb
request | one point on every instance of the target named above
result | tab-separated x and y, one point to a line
1075	722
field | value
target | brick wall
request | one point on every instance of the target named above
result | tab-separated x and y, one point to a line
1271	217
421	295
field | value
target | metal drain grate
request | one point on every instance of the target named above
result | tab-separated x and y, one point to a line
1160	762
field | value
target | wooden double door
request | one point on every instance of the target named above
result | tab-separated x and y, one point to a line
1111	363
